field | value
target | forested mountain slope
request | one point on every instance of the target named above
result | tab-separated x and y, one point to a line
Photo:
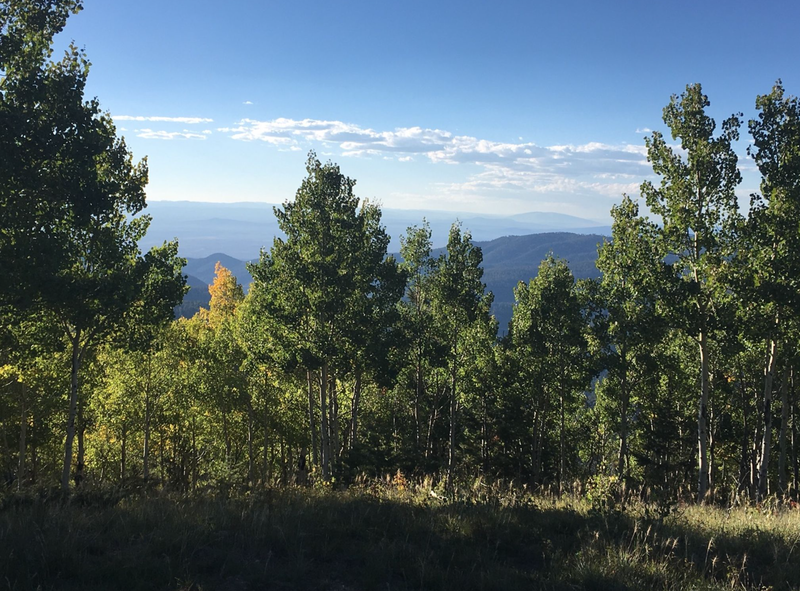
506	262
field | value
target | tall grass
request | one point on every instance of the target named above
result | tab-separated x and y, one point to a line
391	534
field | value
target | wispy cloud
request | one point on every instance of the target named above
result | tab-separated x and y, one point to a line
593	168
643	130
150	134
183	120
247	103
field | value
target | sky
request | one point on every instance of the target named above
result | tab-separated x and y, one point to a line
498	107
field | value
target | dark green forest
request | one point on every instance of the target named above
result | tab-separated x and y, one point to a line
670	376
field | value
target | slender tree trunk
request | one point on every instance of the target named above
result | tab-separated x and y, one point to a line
782	438
250	458
324	433
451	456
623	424
194	453
266	443
80	465
354	412
333	425
34	448
311	420
484	433
766	436
417	398
227	440
23	431
702	421
73	410
162	465
795	463
561	443
431	424
146	448
123	455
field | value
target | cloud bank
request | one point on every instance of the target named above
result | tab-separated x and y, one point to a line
594	168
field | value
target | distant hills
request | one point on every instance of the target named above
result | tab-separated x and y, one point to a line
242	229
506	261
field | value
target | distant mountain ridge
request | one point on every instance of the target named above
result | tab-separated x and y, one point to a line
506	261
241	230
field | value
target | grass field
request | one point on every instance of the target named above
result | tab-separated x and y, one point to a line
391	535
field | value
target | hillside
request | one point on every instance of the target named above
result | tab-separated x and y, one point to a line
506	262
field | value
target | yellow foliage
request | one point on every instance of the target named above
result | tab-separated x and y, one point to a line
226	294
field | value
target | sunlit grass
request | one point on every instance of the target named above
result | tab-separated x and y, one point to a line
392	534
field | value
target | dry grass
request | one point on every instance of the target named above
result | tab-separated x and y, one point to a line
391	535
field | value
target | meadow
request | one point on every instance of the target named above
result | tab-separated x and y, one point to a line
391	534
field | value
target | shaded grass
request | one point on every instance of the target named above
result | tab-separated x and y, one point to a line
385	537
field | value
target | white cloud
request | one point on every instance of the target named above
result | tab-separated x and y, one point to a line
150	134
184	120
643	130
247	103
495	169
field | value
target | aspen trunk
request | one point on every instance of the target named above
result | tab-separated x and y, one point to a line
417	398
782	479
561	446
451	456
766	436
267	467
146	449
73	410
194	454
227	441
311	420
250	459
623	424
795	463
324	433
354	412
333	424
123	459
80	465
702	422
23	431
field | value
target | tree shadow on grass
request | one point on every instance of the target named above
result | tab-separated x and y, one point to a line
298	539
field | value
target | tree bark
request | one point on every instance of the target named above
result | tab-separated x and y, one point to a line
23	431
73	410
744	460
766	436
311	420
123	456
227	440
146	449
333	424
782	475
702	422
623	421
250	459
324	433
451	456
354	412
80	464
267	448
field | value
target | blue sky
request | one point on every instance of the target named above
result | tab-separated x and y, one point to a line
494	107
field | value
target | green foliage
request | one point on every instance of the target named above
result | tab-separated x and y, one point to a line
674	362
